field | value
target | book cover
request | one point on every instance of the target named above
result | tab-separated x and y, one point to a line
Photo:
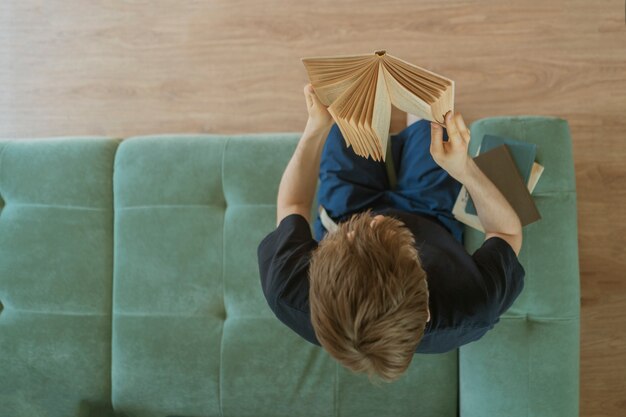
523	154
498	165
472	220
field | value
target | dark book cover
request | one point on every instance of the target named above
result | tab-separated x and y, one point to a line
498	165
523	154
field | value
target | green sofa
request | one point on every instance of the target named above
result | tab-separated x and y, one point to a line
129	286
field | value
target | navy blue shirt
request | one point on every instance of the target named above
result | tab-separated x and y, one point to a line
467	293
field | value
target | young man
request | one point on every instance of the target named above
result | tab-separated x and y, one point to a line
394	279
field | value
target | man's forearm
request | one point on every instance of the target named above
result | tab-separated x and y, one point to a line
493	209
298	183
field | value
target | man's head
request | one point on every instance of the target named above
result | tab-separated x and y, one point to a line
369	295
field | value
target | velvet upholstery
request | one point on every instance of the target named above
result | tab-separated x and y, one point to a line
129	287
529	362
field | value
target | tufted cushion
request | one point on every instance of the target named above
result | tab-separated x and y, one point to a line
192	332
56	261
529	362
129	280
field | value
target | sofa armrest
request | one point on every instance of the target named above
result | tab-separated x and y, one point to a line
529	363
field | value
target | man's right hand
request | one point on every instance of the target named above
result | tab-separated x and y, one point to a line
494	211
451	155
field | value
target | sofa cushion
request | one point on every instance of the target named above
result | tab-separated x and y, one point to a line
529	362
192	332
168	308
56	253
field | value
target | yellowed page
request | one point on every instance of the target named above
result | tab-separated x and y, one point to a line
358	117
438	92
331	92
428	94
444	104
337	58
404	100
535	173
329	79
381	118
426	74
331	75
351	106
374	142
344	128
344	108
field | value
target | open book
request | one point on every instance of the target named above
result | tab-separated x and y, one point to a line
360	89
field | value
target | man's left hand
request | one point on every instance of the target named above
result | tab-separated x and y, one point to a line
319	117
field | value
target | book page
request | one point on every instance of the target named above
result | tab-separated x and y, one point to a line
435	90
436	79
337	111
443	105
415	86
351	106
381	118
329	74
404	100
535	173
356	112
328	93
338	58
333	75
346	132
359	118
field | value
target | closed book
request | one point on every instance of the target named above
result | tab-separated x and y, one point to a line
498	165
523	154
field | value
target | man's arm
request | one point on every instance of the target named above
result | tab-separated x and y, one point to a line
296	191
494	211
297	186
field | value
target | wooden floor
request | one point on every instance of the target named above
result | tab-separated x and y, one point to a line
78	67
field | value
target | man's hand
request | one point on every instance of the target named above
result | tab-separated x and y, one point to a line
451	155
319	117
296	191
494	211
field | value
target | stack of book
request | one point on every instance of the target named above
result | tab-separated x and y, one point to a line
510	165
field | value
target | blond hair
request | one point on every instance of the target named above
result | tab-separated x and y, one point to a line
368	296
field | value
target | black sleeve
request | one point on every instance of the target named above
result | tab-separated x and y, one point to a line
502	274
284	257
